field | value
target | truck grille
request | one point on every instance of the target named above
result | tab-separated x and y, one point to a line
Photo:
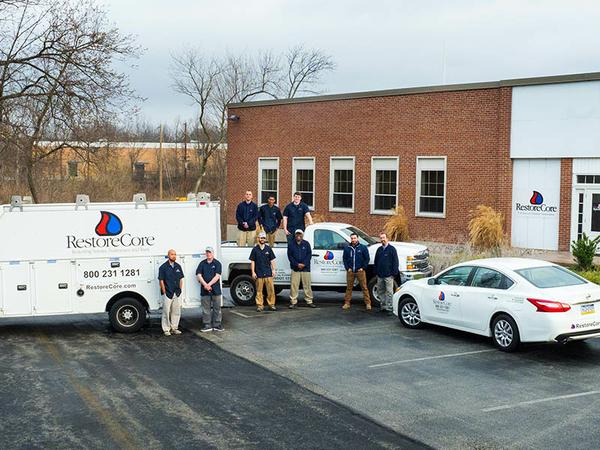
421	261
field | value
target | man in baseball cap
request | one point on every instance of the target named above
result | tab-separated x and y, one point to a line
299	254
209	275
262	265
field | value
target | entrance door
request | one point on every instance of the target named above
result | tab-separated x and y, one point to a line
592	214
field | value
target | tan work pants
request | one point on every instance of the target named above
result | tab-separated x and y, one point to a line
295	285
361	276
260	284
247	238
171	313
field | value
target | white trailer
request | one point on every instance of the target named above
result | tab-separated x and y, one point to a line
87	257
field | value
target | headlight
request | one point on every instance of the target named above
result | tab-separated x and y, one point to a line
410	258
410	267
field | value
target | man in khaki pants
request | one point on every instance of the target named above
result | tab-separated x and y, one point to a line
300	253
246	216
170	275
262	265
356	260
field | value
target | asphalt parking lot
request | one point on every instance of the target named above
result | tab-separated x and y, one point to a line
446	388
73	383
305	378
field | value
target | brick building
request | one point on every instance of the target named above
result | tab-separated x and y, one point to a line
528	147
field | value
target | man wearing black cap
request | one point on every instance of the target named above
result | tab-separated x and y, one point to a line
209	276
300	253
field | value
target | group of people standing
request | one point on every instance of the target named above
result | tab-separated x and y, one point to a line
269	218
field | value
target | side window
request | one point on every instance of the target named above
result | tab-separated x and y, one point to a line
455	277
328	240
490	279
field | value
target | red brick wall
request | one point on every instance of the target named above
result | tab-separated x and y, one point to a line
471	128
566	191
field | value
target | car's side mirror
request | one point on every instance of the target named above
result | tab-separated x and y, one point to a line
431	281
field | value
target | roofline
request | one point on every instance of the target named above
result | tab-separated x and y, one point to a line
568	78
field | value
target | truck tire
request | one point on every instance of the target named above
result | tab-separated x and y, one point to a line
375	300
243	290
127	315
279	290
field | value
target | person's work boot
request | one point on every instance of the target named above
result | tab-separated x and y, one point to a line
272	308
292	306
368	307
259	309
311	305
346	306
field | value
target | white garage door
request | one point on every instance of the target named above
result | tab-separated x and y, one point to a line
536	203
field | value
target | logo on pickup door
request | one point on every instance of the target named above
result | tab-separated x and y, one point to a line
328	256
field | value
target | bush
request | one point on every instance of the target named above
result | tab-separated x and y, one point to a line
486	229
396	227
590	275
584	250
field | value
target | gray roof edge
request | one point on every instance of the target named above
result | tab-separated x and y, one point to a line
553	79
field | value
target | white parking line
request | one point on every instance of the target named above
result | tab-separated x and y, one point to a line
241	315
426	358
540	400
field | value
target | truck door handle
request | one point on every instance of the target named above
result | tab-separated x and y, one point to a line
315	254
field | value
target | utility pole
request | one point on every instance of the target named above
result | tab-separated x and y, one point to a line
184	157
160	165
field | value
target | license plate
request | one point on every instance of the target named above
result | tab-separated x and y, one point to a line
588	309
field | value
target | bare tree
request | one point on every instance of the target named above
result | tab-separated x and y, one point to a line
213	83
57	76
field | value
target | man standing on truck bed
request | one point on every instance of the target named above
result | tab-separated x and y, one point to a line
170	276
386	268
356	260
246	215
262	266
293	216
300	253
269	217
209	275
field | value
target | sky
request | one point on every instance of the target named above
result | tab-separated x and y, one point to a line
375	44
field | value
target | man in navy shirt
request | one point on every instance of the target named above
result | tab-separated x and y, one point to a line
356	260
293	216
300	253
170	276
269	217
209	276
386	269
262	265
246	215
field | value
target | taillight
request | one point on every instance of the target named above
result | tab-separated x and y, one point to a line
549	305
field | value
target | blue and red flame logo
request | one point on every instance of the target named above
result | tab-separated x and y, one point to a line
441	297
109	225
328	256
536	198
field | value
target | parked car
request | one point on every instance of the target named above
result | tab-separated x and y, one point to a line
512	300
327	240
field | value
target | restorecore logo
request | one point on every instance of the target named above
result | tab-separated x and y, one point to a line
536	205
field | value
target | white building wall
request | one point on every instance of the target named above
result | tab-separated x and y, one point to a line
556	120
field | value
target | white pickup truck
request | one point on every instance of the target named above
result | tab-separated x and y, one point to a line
327	240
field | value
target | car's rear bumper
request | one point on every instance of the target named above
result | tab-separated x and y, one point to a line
578	335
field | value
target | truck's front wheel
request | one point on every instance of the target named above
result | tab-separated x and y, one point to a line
127	315
243	290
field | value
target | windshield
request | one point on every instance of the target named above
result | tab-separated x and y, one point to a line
363	237
550	277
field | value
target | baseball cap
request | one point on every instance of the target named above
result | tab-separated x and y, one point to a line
298	231
262	234
209	249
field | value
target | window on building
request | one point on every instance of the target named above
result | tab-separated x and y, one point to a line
268	179
303	179
139	171
588	179
384	185
73	168
431	187
341	184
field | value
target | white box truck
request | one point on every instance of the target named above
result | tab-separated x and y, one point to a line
87	257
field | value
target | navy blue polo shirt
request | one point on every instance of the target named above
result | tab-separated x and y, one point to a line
208	272
295	216
269	218
171	275
262	261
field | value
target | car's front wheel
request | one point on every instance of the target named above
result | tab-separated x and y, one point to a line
505	333
409	314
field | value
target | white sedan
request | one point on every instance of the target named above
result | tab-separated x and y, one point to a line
513	300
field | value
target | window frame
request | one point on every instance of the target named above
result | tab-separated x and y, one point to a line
418	213
319	247
72	164
503	282
259	191
469	276
312	160
332	170
395	161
